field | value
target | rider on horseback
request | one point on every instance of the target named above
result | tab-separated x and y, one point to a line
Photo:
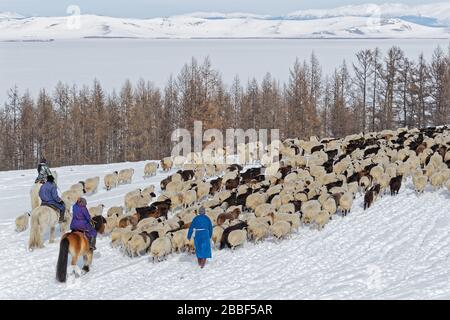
82	222
49	197
43	171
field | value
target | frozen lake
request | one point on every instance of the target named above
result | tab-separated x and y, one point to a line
35	65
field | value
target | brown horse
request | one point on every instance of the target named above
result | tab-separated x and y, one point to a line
76	243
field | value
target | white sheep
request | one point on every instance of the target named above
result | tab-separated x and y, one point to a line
237	238
189	198
150	169
148	190
420	182
345	203
203	189
161	247
22	222
309	210
293	219
91	185
96	211
264	209
79	188
287	208
330	206
437	180
111	180
125	175
138	244
255	199
258	231
217	234
116	235
115	211
321	219
111	223
280	229
179	240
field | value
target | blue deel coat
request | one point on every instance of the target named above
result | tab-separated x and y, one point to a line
49	195
81	220
203	234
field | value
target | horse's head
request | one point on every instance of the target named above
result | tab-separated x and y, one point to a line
99	224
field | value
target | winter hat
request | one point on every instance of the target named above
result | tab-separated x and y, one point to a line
201	210
82	202
50	179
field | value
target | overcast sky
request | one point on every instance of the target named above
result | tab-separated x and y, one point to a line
158	8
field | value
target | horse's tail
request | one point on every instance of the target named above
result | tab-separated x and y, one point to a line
35	234
61	266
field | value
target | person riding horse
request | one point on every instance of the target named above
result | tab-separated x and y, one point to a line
49	197
82	222
43	171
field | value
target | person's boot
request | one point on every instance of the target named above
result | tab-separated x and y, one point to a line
92	242
61	217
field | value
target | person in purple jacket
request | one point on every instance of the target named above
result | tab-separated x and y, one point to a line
81	221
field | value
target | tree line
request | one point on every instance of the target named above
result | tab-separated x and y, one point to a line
86	125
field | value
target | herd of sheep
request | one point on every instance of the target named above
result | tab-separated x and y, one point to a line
310	183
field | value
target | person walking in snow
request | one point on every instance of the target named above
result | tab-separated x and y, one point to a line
82	222
43	171
201	229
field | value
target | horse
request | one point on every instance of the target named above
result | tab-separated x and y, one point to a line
76	243
34	193
44	217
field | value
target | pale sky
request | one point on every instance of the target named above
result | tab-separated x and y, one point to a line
158	8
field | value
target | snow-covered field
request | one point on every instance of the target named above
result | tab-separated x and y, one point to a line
398	249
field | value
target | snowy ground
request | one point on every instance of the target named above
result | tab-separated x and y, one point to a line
398	249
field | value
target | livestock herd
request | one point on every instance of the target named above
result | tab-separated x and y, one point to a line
310	182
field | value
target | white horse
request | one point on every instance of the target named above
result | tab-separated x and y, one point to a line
34	193
42	218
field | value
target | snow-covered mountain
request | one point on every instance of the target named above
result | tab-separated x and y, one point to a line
358	21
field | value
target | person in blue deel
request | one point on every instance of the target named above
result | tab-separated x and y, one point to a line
201	229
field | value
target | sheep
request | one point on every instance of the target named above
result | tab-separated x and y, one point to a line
384	182
258	230
179	240
237	238
255	199
22	222
309	210
346	202
264	209
203	189
148	190
91	185
364	183
287	208
111	223
217	234
189	198
150	169
161	247
97	210
166	163
280	229
79	187
145	223
436	159
174	186
125	176
116	235
420	182
330	206
437	180
376	172
111	180
293	219
138	244
321	219
136	201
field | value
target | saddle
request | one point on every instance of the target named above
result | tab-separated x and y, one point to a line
51	206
